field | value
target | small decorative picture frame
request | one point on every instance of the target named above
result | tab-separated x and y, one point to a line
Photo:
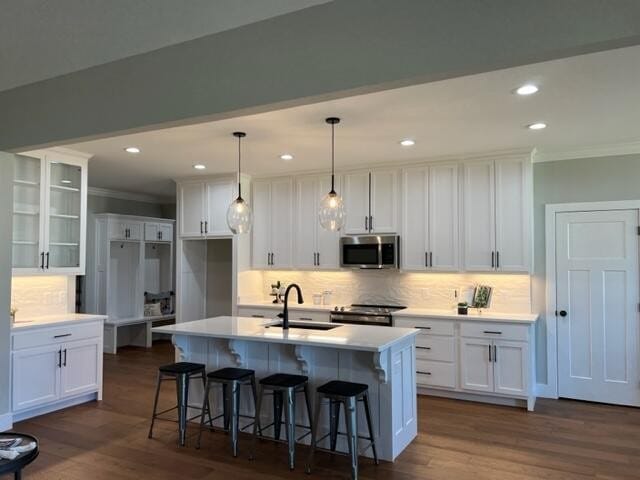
482	296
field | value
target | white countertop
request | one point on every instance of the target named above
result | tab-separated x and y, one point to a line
348	337
29	323
473	315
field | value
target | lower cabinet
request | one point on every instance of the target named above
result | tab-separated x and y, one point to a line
54	364
477	357
294	314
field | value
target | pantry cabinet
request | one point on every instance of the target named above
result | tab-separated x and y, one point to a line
371	202
49	212
203	207
496	215
313	246
430	218
272	230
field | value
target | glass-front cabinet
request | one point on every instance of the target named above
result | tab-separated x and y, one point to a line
49	212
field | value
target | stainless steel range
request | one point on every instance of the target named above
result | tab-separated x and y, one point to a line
360	314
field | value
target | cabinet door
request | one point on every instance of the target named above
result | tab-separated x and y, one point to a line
415	219
166	232
476	370
219	197
36	376
384	201
328	243
281	223
80	367
479	216
66	208
511	361
151	232
192	201
512	215
356	202
261	231
135	230
443	218
28	203
306	222
117	229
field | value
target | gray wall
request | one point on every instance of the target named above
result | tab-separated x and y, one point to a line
335	49
6	203
580	180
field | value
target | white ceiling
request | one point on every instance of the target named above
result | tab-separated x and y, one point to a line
587	100
41	39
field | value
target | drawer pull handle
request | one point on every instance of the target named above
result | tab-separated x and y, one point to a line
62	336
423	328
492	332
423	373
424	348
257	316
306	318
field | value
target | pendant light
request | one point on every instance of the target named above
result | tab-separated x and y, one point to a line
331	212
239	215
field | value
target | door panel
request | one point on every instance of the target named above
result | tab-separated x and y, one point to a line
79	373
476	369
306	222
384	198
415	219
597	285
443	218
282	222
328	243
479	216
356	202
260	233
219	197
35	377
510	363
192	198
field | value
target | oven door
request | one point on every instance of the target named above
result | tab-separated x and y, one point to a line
360	319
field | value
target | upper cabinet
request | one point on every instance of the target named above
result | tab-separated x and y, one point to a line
272	230
203	207
49	212
496	215
371	202
430	218
313	246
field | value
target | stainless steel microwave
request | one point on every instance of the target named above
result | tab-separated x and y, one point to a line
370	251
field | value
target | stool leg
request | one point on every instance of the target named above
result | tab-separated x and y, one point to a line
234	414
182	384
367	413
255	398
206	407
225	405
277	414
256	425
290	424
307	400
334	422
314	432
155	404
351	419
204	384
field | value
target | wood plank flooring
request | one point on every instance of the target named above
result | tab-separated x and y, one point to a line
457	440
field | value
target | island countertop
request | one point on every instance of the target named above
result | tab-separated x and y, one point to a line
348	337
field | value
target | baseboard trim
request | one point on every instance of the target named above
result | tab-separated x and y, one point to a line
472	397
6	422
544	390
69	402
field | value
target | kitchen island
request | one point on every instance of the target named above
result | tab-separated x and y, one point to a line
382	357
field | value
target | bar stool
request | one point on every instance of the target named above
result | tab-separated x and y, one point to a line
347	394
182	373
231	380
284	388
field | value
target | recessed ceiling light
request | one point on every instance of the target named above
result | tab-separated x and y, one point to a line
407	142
286	156
132	150
537	126
199	166
527	89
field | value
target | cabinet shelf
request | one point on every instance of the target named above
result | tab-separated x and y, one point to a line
63	244
27	183
61	215
22	212
24	242
64	189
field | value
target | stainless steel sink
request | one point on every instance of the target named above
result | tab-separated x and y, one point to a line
305	325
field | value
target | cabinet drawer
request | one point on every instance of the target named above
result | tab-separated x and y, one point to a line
506	331
435	374
47	336
428	326
430	347
306	316
267	313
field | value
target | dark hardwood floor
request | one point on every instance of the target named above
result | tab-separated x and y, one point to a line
457	440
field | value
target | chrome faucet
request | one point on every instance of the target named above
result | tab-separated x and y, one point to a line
285	312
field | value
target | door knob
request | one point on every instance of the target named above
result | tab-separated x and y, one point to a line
563	313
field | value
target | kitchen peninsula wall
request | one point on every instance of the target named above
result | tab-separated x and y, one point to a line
511	292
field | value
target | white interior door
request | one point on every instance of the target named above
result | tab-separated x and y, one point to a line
597	301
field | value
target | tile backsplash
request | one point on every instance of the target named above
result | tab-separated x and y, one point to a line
38	296
511	292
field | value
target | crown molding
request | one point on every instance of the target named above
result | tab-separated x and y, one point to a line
593	151
134	197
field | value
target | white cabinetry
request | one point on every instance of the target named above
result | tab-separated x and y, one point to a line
430	218
203	207
158	232
125	229
371	202
314	247
496	215
55	366
49	212
294	313
273	226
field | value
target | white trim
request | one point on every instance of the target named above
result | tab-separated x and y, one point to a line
134	197
550	389
6	422
605	150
